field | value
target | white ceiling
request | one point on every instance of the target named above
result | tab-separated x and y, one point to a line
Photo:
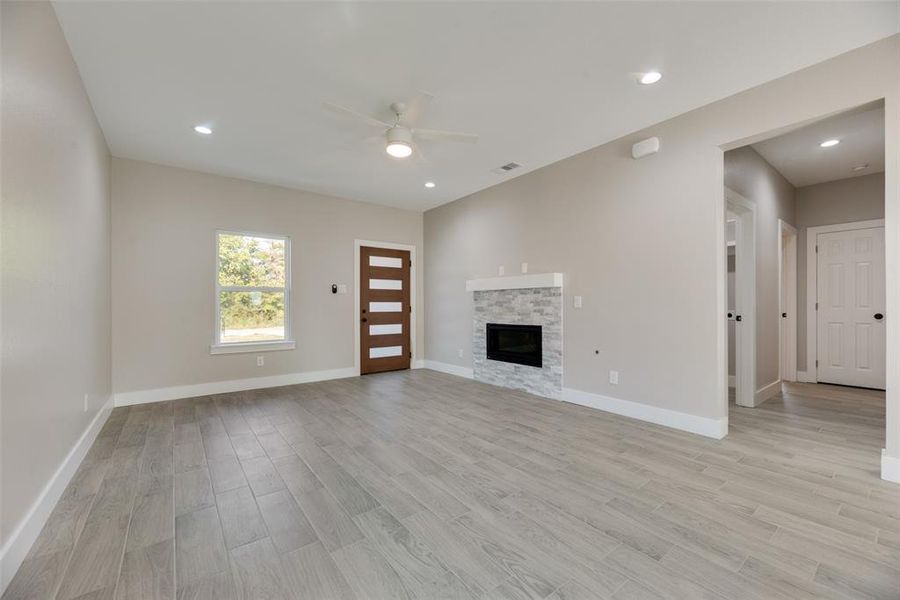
798	156
538	81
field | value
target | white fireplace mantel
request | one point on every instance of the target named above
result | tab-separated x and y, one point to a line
515	282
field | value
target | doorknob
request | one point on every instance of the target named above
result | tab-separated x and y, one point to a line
363	320
738	318
784	315
878	316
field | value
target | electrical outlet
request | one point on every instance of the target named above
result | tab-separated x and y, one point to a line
524	267
86	403
460	351
614	377
260	361
501	271
577	302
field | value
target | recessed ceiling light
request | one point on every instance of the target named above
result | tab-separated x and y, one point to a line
650	77
429	184
860	167
203	129
830	143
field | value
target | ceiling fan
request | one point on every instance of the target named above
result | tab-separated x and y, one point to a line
401	135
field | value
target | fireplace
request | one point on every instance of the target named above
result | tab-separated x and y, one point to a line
518	344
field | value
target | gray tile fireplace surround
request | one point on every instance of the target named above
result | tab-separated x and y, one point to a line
531	306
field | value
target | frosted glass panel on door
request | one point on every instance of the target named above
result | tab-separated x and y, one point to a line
385	261
385	307
386	329
385	284
385	352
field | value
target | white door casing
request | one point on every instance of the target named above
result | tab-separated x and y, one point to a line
850	291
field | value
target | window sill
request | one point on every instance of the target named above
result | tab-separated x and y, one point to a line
239	347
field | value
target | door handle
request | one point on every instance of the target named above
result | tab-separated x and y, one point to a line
363	320
784	315
878	316
738	318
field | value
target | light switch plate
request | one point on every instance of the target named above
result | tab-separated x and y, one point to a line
577	302
614	377
260	361
501	271
524	268
342	288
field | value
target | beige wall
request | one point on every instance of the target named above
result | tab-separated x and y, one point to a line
842	201
641	240
164	222
748	174
55	258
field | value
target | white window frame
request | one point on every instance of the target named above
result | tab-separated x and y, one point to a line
217	347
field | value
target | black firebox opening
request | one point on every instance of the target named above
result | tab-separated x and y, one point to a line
519	344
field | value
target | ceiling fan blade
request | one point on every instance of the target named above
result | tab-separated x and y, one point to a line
418	154
416	107
453	136
343	111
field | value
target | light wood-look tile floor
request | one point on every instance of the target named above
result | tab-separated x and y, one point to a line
423	485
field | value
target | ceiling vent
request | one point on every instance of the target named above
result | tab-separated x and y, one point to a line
506	168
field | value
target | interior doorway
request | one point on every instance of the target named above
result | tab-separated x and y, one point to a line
847	274
742	218
787	293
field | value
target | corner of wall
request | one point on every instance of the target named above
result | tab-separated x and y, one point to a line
26	533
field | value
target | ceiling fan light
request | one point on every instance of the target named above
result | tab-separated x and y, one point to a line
398	149
398	141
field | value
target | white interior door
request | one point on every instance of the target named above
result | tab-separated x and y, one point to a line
851	300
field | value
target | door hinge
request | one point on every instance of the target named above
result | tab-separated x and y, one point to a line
817	306
410	308
817	248
410	263
817	362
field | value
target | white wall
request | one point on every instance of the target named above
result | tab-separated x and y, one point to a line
163	228
55	265
642	241
842	201
748	174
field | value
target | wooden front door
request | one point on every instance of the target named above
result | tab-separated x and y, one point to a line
384	305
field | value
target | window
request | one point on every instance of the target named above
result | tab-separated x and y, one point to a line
252	292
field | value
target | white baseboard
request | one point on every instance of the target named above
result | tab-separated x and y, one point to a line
417	364
766	392
890	467
449	369
732	381
24	535
706	426
233	385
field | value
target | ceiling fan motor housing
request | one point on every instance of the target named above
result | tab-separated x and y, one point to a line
400	134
